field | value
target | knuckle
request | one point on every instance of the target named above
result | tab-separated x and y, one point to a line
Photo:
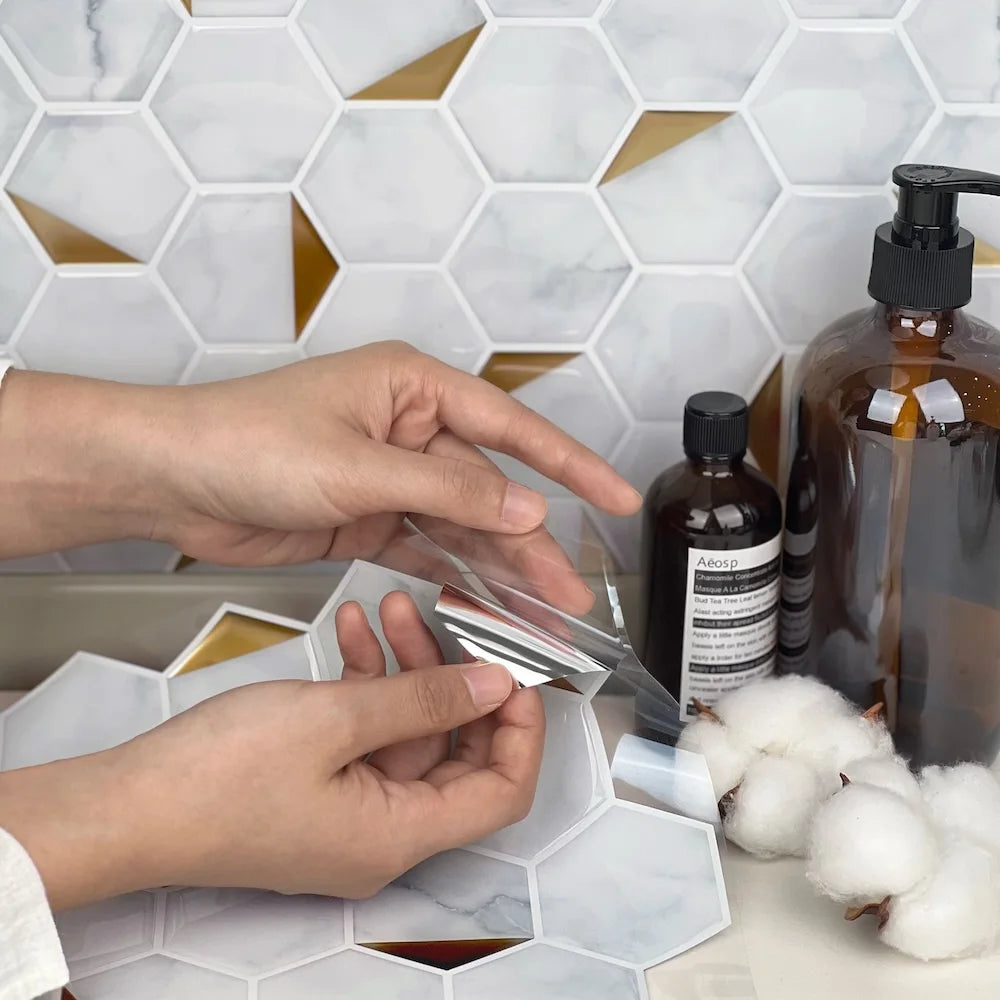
462	483
434	698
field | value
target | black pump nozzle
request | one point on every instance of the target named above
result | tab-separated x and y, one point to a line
923	258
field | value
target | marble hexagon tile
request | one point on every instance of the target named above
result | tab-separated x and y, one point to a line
260	131
522	83
89	704
713	209
415	305
116	326
392	184
90	52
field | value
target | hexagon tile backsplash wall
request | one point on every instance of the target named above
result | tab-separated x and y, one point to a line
603	205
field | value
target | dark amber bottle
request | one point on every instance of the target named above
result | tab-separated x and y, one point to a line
711	556
895	485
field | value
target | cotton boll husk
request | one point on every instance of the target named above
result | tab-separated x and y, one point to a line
867	843
956	913
882	771
832	743
773	807
964	799
773	713
727	759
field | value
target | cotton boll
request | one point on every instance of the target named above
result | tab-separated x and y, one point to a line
965	800
726	758
885	772
771	811
771	714
955	914
867	843
832	743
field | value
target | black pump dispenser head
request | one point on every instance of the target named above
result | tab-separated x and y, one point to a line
923	258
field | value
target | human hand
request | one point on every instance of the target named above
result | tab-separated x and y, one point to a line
271	786
321	459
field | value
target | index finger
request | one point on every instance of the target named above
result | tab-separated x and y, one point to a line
485	415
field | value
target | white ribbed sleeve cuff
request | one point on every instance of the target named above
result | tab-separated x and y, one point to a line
31	957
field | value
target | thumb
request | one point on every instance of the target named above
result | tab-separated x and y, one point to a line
418	703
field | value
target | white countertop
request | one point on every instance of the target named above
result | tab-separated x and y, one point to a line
788	943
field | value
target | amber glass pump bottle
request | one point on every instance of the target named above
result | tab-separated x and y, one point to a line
892	532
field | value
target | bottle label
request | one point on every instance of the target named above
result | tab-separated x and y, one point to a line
730	620
797	580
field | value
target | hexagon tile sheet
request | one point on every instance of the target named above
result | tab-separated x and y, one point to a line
555	907
624	201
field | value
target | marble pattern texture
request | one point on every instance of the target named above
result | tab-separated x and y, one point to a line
539	266
714	209
101	50
148	342
524	81
392	185
418	306
571	912
229	267
242	104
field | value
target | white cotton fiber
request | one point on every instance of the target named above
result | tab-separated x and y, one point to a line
867	843
882	771
771	811
964	800
773	713
726	758
833	743
956	913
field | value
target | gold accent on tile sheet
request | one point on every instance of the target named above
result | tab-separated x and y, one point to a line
510	371
563	685
187	5
235	635
985	254
184	562
64	242
765	425
313	266
426	78
445	955
657	131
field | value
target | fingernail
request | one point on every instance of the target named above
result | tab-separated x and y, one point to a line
522	507
489	684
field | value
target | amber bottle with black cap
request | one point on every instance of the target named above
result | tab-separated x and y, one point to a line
711	553
895	487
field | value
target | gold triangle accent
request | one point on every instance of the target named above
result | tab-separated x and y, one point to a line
563	685
235	635
426	78
985	254
313	267
445	955
657	131
187	5
765	425
512	370
184	562
64	242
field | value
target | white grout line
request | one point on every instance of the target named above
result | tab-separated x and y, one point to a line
918	64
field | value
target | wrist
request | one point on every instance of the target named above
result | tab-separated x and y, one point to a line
81	824
78	461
